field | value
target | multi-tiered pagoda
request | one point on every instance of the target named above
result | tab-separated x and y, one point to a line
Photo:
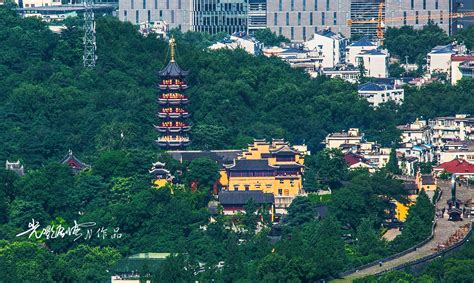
172	113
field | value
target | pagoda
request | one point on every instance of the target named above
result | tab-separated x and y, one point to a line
173	127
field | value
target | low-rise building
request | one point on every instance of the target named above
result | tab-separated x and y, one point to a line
331	45
16	167
355	161
355	48
377	93
233	202
374	62
439	59
457	150
416	132
454	128
425	182
458	66
38	3
351	137
239	40
459	167
348	73
298	57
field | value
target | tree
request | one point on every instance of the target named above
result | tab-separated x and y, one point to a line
269	38
392	164
300	211
203	170
368	241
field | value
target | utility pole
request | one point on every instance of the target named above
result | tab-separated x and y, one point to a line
90	46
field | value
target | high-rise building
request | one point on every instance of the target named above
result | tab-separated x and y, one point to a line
459	6
173	126
210	16
297	20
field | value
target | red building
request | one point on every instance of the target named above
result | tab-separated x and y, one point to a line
173	126
457	166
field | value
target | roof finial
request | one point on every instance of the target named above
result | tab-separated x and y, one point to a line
172	46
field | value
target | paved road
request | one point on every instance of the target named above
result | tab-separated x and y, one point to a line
444	229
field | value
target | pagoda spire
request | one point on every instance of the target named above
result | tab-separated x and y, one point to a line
172	45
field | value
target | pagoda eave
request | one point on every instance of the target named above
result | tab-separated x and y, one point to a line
164	101
173	87
173	115
172	129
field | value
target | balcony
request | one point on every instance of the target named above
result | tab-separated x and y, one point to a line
173	115
173	86
173	129
172	101
173	141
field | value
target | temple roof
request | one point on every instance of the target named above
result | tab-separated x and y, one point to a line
243	197
72	161
251	165
173	70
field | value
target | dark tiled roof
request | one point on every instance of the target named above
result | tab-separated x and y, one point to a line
373	52
251	165
243	197
173	70
72	161
289	166
374	87
410	188
220	156
364	41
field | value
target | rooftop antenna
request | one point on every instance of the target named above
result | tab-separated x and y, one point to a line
89	58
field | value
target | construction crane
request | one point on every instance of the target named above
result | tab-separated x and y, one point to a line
381	21
89	58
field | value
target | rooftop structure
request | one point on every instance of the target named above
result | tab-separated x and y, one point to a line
456	166
351	137
376	93
347	73
374	62
298	57
173	114
331	45
72	161
416	132
457	150
355	48
239	40
16	167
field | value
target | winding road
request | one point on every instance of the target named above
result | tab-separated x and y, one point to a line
443	231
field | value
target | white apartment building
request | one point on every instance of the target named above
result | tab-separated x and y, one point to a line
456	62
39	3
417	132
376	93
439	59
457	150
354	49
347	73
338	139
239	40
331	45
457	128
375	63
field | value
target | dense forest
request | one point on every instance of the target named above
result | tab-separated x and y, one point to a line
49	103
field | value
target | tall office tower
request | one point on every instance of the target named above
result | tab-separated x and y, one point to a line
459	6
210	16
363	13
257	14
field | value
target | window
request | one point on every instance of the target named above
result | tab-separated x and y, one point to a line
412	4
280	192
405	18
304	5
323	19
156	4
247	187
124	13
161	14
137	17
280	5
149	16
327	5
167	4
416	18
315	5
281	181
287	19
335	18
292	33
304	33
236	187
280	31
144	4
424	4
299	18
292	5
292	182
179	4
311	18
132	4
441	17
436	5
172	16
275	19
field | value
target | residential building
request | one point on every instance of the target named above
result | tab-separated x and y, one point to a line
355	48
454	128
356	161
37	3
460	67
331	45
239	40
467	69
374	62
457	150
378	157
416	132
338	139
298	57
347	73
439	59
376	93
